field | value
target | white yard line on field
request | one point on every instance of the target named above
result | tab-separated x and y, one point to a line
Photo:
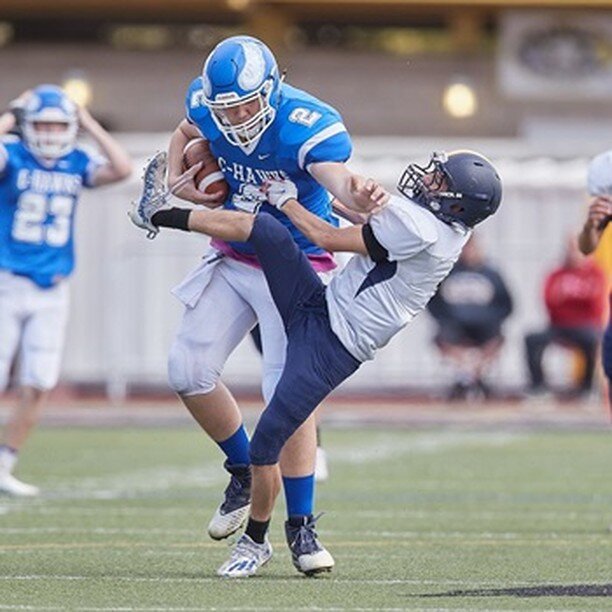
96	530
383	447
292	580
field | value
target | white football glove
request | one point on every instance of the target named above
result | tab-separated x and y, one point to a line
249	198
280	192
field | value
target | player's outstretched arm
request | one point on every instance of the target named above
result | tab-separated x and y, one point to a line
356	192
350	215
283	195
119	164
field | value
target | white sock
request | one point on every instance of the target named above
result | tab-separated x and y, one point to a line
8	459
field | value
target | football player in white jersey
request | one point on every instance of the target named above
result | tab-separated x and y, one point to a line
259	128
41	178
595	231
404	250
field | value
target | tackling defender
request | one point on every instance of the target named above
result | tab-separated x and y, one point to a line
259	129
41	178
403	252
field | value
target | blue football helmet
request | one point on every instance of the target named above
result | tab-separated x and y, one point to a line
239	70
461	187
49	104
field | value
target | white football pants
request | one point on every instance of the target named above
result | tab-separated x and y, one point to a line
33	322
234	299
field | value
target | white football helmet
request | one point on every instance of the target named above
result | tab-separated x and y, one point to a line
48	104
599	174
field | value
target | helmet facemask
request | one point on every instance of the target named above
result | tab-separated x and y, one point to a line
50	143
461	188
247	133
431	187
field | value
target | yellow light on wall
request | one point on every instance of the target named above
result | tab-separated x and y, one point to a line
238	5
78	89
459	100
6	33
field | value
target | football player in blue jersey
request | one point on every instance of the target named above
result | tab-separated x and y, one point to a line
259	128
405	249
41	178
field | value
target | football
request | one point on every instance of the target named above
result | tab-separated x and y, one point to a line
209	178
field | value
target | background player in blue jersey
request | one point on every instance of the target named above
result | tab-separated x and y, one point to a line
259	128
405	249
41	177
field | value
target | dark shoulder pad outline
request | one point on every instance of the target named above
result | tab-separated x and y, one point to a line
376	251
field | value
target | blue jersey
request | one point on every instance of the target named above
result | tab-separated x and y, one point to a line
305	131
37	208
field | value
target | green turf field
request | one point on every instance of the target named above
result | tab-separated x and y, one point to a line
425	520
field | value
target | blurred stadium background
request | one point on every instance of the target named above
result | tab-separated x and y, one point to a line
443	507
526	82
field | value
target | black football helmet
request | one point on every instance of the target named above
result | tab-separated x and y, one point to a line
461	187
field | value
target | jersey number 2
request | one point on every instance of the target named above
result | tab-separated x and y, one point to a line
32	210
303	116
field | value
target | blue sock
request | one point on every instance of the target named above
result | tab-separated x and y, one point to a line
299	495
236	447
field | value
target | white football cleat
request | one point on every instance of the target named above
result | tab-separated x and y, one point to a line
154	194
246	558
224	524
321	473
309	556
233	512
10	485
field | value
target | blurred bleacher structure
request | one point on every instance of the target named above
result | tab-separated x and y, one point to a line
543	108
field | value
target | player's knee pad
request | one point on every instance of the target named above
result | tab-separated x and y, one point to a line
40	368
188	373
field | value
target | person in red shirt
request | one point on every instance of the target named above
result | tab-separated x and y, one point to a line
575	296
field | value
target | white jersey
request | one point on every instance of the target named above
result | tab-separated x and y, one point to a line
370	302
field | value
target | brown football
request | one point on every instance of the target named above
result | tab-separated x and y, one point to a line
209	178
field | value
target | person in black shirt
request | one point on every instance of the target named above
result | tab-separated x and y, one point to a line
470	307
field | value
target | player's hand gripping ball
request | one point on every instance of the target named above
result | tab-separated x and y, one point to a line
209	179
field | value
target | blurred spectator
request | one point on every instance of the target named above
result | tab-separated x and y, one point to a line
574	295
469	308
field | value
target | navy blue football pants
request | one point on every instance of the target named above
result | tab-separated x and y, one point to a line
316	361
